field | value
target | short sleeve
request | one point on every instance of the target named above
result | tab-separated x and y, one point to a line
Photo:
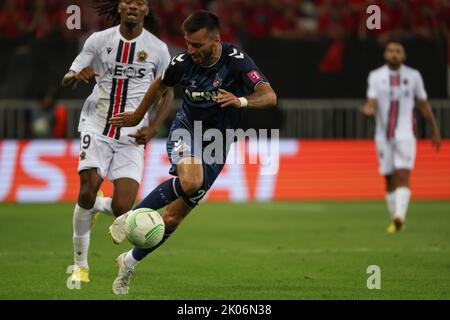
419	88
174	71
86	56
371	88
247	70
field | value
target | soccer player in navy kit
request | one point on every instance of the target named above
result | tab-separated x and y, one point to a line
219	80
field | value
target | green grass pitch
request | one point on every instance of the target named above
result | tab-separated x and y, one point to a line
279	250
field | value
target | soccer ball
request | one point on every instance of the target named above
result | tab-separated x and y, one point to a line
145	228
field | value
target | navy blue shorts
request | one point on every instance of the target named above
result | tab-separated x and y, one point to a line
182	143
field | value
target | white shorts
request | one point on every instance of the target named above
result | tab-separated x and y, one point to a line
112	158
395	154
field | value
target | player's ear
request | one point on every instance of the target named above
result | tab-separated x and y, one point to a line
217	38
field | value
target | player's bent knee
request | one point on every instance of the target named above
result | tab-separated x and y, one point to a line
402	182
86	198
402	178
191	184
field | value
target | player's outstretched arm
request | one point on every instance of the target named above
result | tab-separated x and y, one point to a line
131	119
145	134
369	108
425	109
263	97
163	109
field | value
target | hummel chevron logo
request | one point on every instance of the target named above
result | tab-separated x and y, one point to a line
109	50
234	54
178	144
177	59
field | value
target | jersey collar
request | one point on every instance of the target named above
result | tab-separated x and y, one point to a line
132	40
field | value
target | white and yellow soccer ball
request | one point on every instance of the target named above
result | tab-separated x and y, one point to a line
145	228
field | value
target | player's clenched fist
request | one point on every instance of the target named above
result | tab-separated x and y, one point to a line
71	79
368	109
226	98
144	135
86	74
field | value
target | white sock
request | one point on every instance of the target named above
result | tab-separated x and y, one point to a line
390	201
81	235
130	261
402	196
103	204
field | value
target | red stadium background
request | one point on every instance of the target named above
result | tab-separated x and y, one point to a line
45	171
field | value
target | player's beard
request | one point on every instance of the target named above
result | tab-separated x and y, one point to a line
208	56
130	25
394	65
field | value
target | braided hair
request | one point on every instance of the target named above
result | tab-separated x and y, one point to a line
108	8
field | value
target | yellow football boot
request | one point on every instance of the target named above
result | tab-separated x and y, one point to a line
80	274
391	228
395	226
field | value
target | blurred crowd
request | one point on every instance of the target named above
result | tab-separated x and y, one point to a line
29	22
294	19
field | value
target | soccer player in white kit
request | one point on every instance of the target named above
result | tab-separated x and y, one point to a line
124	60
393	91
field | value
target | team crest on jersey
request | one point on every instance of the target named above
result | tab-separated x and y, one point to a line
142	56
405	82
217	81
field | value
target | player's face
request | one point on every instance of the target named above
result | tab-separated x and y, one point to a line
133	11
201	45
394	54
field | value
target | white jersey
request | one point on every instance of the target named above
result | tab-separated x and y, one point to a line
125	70
395	93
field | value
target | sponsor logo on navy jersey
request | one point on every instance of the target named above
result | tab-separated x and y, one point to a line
201	96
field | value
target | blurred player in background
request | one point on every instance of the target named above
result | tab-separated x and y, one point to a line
393	91
124	60
218	81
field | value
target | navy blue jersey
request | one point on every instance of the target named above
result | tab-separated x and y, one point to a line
235	72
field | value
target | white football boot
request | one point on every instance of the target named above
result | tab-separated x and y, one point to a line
118	230
121	284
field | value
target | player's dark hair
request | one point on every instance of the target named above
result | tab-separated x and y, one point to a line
109	9
394	41
201	19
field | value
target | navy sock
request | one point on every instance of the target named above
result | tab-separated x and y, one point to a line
139	253
162	195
